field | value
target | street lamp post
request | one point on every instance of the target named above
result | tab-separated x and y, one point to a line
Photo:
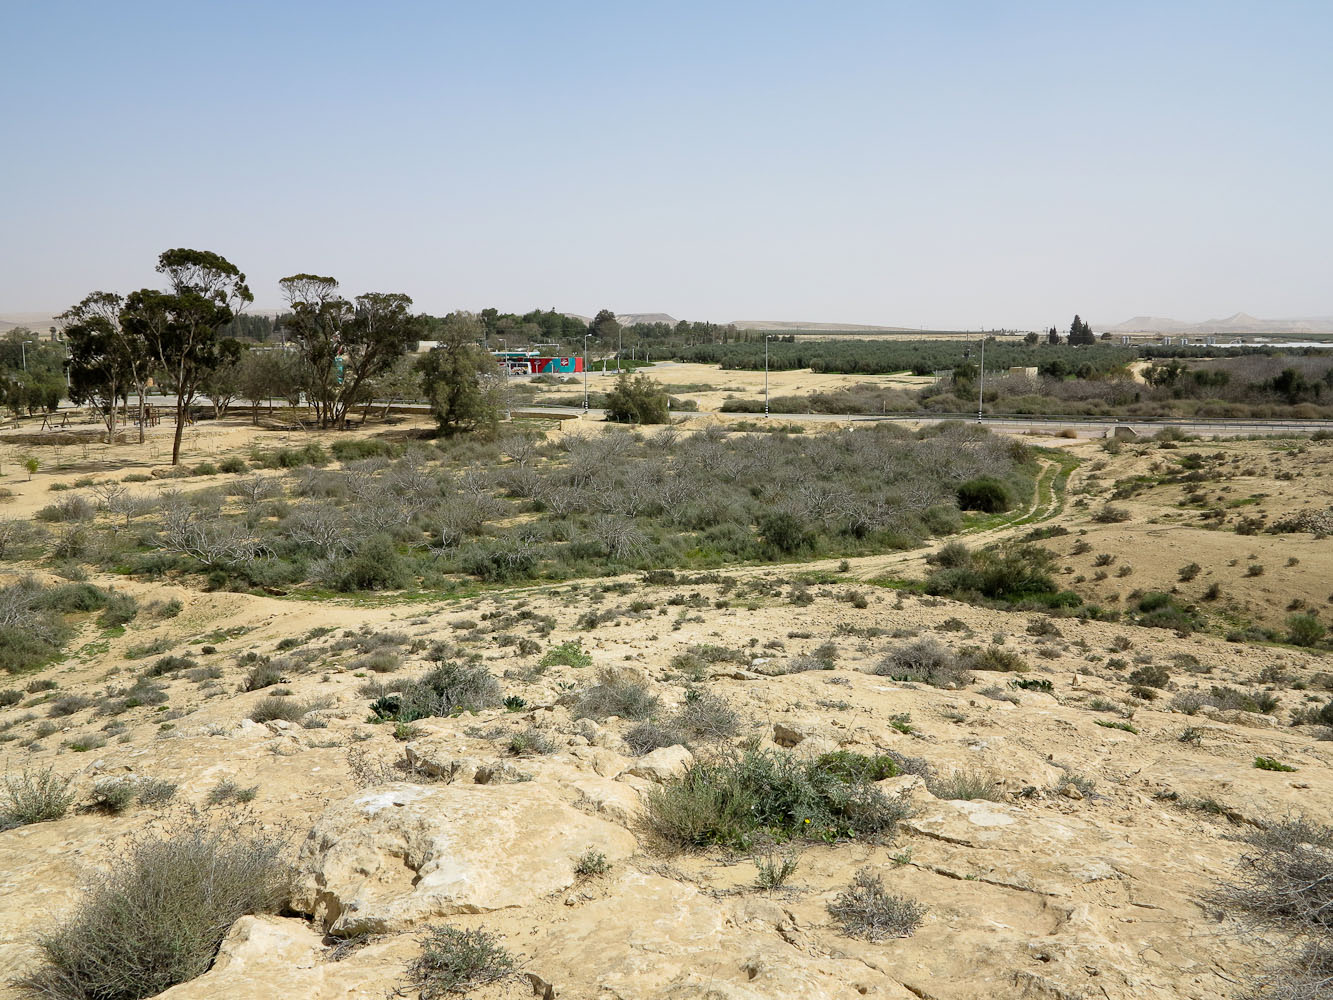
23	352
585	373
767	337
620	345
981	377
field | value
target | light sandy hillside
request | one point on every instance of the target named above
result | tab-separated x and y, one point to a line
1064	799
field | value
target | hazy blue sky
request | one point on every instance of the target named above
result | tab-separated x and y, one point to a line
940	163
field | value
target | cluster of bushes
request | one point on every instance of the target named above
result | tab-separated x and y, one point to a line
769	794
1017	575
33	626
445	690
1285	881
512	509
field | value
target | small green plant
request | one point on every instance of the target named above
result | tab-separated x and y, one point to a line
772	869
966	785
591	864
1032	684
567	654
616	694
1269	764
113	795
865	909
1122	726
531	741
33	797
227	792
454	961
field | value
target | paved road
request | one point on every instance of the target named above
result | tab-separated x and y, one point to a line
1007	423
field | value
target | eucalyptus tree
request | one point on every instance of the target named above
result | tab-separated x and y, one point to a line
182	325
344	345
105	358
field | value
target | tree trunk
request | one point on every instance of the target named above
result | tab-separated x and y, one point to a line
180	429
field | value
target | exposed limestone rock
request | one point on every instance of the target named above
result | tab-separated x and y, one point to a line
397	854
662	764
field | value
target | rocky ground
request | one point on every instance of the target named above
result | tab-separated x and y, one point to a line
1066	843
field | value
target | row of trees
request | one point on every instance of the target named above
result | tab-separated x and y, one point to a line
176	338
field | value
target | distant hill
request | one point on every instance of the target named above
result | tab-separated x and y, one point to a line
1239	323
772	324
38	322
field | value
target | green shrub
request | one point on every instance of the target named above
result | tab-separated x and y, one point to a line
531	741
120	609
591	864
567	654
1269	764
274	708
637	399
113	795
1152	675
23	650
784	532
233	465
262	675
965	785
454	961
33	797
984	494
616	694
865	909
991	658
227	791
375	565
924	661
311	453
857	767
1122	726
175	664
731	802
647	736
381	661
1304	630
449	688
72	598
155	918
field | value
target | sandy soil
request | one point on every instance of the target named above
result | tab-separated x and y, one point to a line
1048	890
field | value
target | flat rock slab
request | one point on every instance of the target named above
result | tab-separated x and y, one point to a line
392	856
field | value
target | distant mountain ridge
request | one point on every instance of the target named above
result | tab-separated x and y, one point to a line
1239	323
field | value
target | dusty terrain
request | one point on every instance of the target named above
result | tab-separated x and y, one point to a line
709	386
1084	868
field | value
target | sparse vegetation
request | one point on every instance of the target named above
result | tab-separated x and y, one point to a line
865	909
155	918
454	961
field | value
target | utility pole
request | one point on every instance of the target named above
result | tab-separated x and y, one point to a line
585	373
981	377
620	345
23	352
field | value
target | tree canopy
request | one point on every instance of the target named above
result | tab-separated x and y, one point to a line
462	382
